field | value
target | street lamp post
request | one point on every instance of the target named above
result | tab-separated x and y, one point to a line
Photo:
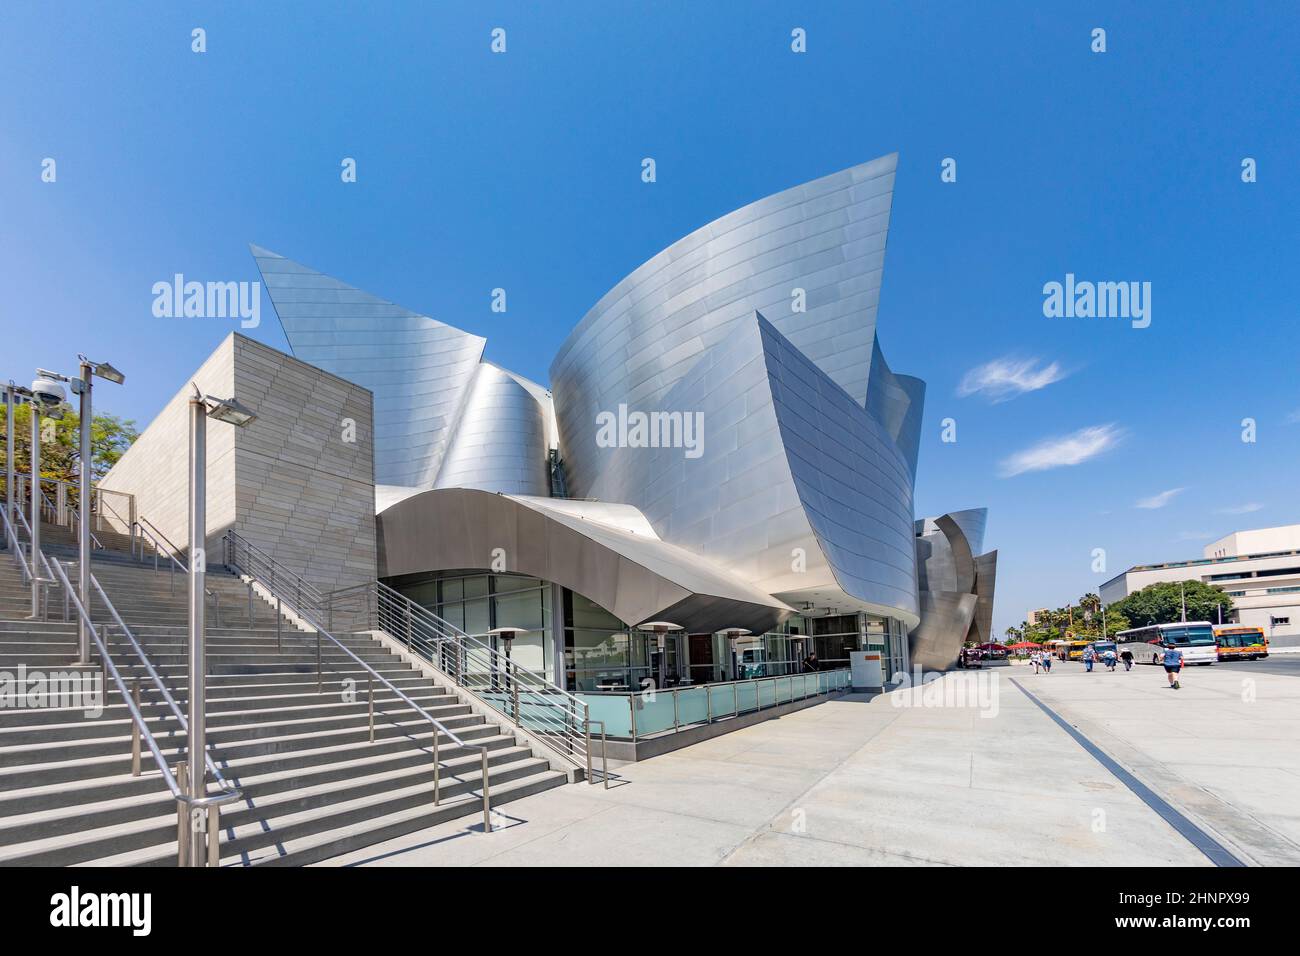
13	394
201	408
47	392
82	386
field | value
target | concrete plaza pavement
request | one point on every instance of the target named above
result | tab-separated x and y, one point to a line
861	780
1224	749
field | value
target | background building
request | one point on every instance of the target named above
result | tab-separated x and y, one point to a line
1260	569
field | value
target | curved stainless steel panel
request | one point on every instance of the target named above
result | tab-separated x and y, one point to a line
418	369
826	237
945	620
796	488
956	587
499	441
634	576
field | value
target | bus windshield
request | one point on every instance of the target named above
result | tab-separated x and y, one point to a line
1188	636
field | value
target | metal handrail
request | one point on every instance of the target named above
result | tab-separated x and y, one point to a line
142	734
52	512
557	718
255	559
16	546
135	645
176	563
157	535
300	584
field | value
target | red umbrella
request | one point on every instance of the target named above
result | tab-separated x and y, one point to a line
1021	645
993	646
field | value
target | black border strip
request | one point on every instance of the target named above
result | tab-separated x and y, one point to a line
1219	854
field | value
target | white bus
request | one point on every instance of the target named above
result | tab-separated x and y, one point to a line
1194	638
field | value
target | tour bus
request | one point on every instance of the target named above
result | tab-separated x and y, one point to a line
1101	647
1194	638
1238	643
1071	650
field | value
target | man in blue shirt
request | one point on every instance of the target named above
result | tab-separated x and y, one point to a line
1173	664
1088	657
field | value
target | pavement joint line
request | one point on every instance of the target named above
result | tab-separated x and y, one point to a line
901	854
1217	853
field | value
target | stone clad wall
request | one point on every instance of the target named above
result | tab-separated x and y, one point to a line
290	483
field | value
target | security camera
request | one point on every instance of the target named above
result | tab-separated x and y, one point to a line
47	389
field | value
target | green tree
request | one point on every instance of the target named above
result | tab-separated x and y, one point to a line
1162	603
110	437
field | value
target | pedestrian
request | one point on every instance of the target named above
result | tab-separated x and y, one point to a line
1108	659
1036	660
1088	657
1173	664
1047	663
1127	657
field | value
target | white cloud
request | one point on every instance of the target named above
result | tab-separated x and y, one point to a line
1073	449
1245	509
1158	500
1294	417
1007	377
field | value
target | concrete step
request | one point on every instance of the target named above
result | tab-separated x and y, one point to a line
313	784
256	790
231	741
299	813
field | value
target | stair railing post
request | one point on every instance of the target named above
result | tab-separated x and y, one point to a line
135	730
319	679
487	802
587	733
436	775
214	834
250	603
279	641
370	689
514	690
67	603
604	756
182	817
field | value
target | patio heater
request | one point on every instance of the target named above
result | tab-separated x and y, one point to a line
508	634
734	634
660	630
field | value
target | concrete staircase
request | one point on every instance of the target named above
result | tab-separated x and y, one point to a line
313	784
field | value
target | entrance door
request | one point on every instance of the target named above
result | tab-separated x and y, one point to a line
702	667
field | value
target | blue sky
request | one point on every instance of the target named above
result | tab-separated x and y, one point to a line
523	171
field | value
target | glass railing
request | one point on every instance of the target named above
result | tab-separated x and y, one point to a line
647	713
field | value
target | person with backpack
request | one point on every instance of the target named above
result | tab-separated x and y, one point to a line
1173	664
1088	657
1108	659
1127	657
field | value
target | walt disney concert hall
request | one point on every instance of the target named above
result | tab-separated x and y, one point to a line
716	484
